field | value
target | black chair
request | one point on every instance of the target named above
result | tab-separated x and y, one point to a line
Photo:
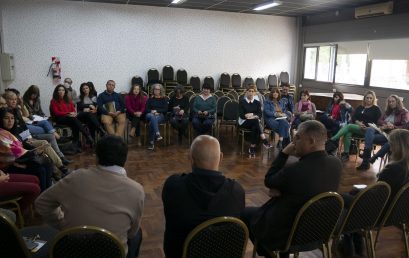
233	95
272	81
229	116
236	81
168	74
247	81
153	77
181	77
261	84
195	82
398	215
86	242
138	80
220	105
284	78
313	226
218	237
364	213
224	82
210	81
11	202
11	243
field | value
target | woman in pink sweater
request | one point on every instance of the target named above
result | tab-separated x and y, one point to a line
63	112
135	103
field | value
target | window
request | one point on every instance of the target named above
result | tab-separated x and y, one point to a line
392	74
351	68
319	63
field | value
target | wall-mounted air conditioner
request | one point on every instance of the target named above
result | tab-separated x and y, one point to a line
374	10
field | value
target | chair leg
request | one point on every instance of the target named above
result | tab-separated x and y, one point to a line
369	243
326	250
254	250
405	237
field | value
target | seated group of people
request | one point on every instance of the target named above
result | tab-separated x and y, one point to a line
104	196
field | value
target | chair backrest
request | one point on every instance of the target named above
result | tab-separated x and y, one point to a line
315	222
220	105
247	81
233	95
218	237
189	94
224	81
366	208
191	104
137	80
167	73
219	93
261	84
284	78
209	80
153	76
195	82
398	211
11	243
236	81
272	81
230	111
181	76
86	241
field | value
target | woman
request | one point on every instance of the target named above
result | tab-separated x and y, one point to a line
22	160
364	115
32	103
336	114
22	132
395	116
178	108
303	110
156	108
87	110
249	118
204	109
135	103
63	112
276	119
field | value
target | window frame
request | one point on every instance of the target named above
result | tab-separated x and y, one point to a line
332	66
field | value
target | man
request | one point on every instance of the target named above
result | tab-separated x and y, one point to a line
293	185
287	99
72	94
102	196
112	107
190	199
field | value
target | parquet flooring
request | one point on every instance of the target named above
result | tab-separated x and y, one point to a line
152	168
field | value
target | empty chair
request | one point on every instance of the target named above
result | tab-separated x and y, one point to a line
11	243
138	80
230	115
167	74
284	78
236	81
153	77
195	82
218	237
86	241
272	81
261	84
224	82
210	81
247	81
220	105
313	226
181	77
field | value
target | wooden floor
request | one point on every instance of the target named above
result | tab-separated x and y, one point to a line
152	168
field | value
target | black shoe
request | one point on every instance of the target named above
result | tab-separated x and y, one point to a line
280	145
151	146
65	161
358	241
364	166
345	246
344	157
373	159
64	170
331	147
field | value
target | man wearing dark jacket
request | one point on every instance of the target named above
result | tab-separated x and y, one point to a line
291	186
190	199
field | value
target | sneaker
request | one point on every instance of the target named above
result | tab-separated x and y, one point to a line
252	152
266	144
151	146
158	137
344	157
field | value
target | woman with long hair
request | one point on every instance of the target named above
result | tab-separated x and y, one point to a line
135	103
156	108
304	109
178	108
276	119
336	114
396	116
87	110
365	114
63	112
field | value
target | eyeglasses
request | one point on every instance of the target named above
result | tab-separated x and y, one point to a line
156	89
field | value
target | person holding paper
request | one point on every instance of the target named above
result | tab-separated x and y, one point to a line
395	116
276	119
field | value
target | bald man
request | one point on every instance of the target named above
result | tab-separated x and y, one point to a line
205	193
292	185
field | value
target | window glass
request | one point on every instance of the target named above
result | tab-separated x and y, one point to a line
392	74
350	68
325	67
310	62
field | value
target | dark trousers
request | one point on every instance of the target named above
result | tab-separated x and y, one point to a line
202	125
134	245
91	120
179	124
74	124
332	125
43	172
254	126
135	123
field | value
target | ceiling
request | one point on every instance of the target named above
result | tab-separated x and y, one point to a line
287	8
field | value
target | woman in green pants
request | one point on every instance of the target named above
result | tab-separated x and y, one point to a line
365	114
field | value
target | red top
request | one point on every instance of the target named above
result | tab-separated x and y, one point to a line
135	103
61	108
336	111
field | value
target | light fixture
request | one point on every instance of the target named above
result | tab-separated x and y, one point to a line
178	1
267	5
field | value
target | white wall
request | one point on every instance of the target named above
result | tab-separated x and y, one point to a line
97	42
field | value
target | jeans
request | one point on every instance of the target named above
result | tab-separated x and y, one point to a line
134	244
154	121
383	151
280	126
373	137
